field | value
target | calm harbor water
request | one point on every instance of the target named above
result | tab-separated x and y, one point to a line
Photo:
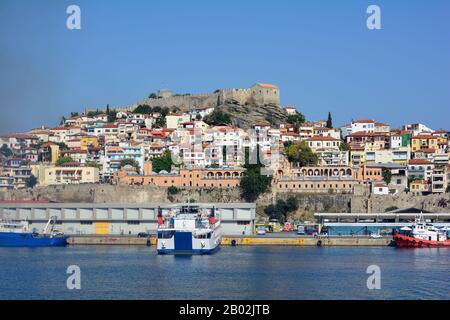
110	272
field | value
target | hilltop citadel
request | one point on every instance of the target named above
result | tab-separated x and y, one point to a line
258	94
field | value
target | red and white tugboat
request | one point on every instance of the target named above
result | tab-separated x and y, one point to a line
421	235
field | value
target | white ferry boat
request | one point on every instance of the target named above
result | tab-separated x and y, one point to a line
189	229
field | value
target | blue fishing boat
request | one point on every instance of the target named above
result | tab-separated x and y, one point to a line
18	234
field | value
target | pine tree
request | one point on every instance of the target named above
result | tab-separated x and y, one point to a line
329	121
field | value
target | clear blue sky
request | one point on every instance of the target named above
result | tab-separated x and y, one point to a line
319	53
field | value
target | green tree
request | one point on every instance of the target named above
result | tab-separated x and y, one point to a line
112	114
157	109
282	209
254	183
296	119
287	144
31	181
143	109
91	114
165	111
5	151
130	162
153	96
387	175
63	160
217	117
302	154
160	122
172	190
163	162
329	121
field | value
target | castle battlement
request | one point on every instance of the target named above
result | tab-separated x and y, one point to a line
259	94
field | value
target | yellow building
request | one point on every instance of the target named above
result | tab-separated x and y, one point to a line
420	187
357	156
89	142
399	156
69	173
424	141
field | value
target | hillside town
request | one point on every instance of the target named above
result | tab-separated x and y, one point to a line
199	146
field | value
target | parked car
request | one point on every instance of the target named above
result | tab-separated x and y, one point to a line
143	235
261	230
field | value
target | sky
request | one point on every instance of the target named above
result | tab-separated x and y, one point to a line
320	54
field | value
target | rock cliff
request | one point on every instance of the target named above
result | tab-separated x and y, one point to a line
244	116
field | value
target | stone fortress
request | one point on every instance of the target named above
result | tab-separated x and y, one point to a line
258	94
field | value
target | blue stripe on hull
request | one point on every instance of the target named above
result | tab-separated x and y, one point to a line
11	239
193	251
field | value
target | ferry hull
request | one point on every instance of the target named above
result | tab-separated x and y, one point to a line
188	252
11	239
403	241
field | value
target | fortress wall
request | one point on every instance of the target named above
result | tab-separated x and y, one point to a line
311	202
183	102
241	95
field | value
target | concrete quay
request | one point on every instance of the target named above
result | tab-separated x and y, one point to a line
110	240
268	240
304	241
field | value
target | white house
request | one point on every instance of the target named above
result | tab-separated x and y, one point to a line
291	110
417	128
380	189
395	141
323	143
173	121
